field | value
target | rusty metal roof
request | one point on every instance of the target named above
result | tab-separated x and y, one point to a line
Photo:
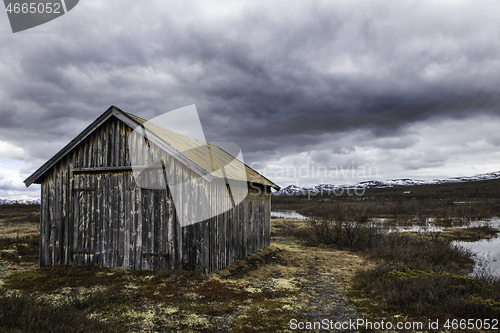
210	157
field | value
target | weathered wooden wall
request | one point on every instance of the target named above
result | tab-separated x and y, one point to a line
103	217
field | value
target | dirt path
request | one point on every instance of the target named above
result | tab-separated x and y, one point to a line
320	274
326	272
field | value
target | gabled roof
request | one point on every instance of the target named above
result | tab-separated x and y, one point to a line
205	159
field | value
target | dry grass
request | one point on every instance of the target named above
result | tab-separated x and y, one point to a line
10	230
24	312
388	291
471	234
19	221
420	276
286	228
259	293
424	278
19	249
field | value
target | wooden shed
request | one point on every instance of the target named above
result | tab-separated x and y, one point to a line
128	193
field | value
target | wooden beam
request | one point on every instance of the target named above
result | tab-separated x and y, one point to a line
117	168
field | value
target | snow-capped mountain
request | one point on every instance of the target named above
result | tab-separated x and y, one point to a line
22	201
294	189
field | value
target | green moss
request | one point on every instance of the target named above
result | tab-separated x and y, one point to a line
264	316
425	294
415	274
490	303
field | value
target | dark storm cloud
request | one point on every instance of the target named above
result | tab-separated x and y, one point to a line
278	78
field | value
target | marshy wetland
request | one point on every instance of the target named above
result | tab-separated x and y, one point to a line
336	265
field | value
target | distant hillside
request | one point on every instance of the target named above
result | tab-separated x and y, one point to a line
322	188
452	200
20	202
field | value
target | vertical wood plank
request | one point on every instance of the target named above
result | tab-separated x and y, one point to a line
105	144
44	223
140	222
70	205
111	144
127	217
112	219
105	220
133	222
77	204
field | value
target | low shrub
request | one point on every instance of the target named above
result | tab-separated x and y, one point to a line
422	253
429	294
412	251
284	229
21	312
21	249
343	235
423	277
486	230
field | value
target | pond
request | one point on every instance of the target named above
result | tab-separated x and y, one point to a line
488	252
430	226
288	214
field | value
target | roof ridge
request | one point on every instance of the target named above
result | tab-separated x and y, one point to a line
183	135
164	128
171	142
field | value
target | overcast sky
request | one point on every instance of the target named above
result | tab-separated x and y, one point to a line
312	91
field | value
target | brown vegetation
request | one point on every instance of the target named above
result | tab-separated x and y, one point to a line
456	202
260	293
420	276
19	221
469	234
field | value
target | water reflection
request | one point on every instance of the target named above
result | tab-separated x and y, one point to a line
488	251
430	225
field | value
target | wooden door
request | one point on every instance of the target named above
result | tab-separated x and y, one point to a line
158	229
84	205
